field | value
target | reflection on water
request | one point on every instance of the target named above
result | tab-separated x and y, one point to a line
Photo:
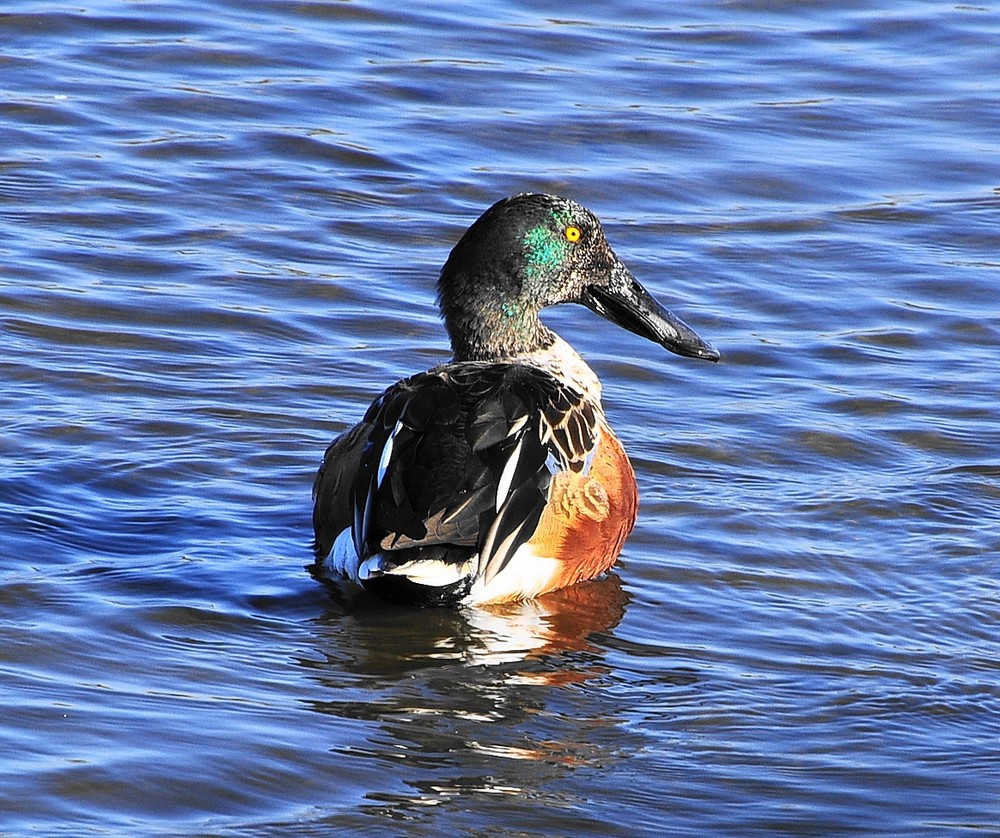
459	694
392	640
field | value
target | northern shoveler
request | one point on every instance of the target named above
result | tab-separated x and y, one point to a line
495	477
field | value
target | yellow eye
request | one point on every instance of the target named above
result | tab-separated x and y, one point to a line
572	234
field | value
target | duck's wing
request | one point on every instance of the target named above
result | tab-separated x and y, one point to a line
453	463
332	510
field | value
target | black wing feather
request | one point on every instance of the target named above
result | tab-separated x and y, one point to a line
453	431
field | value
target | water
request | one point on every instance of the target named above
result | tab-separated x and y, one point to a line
221	224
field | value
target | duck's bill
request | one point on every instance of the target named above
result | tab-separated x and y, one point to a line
627	304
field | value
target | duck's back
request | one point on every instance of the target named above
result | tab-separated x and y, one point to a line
475	481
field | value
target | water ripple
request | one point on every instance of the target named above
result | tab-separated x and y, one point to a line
222	228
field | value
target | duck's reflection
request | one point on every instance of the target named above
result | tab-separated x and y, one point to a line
389	639
477	701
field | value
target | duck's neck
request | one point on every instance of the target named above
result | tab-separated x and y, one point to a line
495	335
484	327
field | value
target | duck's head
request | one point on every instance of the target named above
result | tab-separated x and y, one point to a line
535	250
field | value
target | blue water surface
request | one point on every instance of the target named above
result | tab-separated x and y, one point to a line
220	228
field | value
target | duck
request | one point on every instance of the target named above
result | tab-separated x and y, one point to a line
495	477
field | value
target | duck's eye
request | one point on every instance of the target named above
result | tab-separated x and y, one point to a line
572	233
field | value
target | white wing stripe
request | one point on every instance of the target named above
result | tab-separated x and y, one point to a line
507	477
383	462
